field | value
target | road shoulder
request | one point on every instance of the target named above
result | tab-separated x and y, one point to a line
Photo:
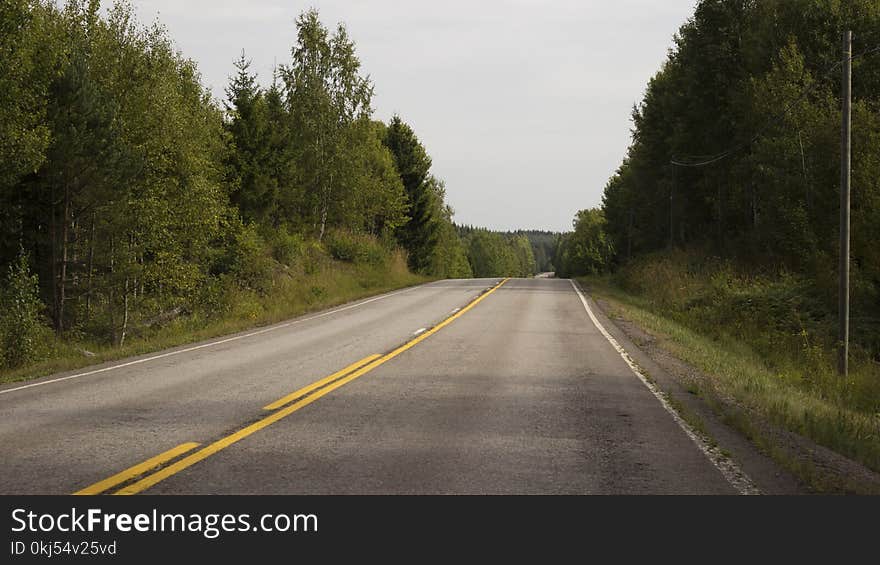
779	461
675	378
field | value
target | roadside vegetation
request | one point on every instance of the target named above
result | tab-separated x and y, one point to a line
136	212
495	254
719	230
316	281
769	352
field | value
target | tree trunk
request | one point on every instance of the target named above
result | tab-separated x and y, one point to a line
325	205
807	195
112	296
53	236
754	208
323	221
720	197
90	269
124	314
62	275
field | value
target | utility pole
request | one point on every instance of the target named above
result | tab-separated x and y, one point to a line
672	209
845	178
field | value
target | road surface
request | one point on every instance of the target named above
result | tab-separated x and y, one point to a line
460	390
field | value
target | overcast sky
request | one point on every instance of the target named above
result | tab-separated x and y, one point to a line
523	105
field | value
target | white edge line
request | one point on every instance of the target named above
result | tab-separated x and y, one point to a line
211	344
730	470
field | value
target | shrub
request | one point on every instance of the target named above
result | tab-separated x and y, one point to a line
251	265
342	246
287	248
356	248
314	257
21	327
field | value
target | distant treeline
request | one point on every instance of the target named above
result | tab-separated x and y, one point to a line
496	254
127	196
544	246
736	153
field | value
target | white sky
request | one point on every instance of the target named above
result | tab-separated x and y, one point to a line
523	105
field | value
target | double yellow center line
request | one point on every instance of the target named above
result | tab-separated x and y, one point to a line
283	407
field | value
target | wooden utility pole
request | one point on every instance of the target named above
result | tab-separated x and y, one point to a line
845	178
672	209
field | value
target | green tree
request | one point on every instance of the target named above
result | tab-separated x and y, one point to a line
449	259
735	147
121	213
419	236
21	325
254	187
525	257
587	250
327	97
492	254
379	201
280	163
27	53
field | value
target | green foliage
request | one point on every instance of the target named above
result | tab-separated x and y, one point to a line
121	212
419	236
250	265
379	202
329	104
449	259
286	247
304	156
757	83
256	163
769	339
525	257
142	204
355	248
27	55
750	95
21	324
493	254
544	245
587	250
783	317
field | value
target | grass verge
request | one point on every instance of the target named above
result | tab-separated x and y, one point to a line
293	292
751	386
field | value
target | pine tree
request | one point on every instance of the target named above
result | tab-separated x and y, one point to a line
419	235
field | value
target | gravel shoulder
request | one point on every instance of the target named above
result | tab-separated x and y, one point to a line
778	461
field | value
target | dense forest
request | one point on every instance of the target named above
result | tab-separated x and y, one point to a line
737	141
522	253
544	244
736	156
129	198
720	229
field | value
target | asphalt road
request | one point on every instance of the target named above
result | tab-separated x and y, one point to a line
519	392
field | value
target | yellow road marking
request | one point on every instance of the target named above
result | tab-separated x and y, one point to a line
207	451
318	384
138	469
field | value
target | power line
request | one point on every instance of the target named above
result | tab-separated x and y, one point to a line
709	160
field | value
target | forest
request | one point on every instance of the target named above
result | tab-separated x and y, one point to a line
131	201
735	157
720	228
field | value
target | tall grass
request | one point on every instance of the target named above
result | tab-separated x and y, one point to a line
766	341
